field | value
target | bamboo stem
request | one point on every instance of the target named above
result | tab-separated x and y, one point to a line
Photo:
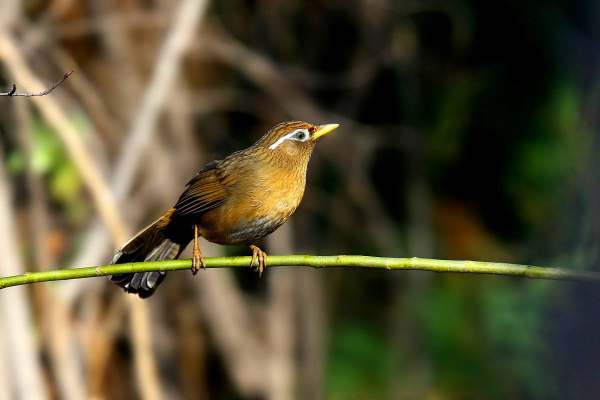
421	264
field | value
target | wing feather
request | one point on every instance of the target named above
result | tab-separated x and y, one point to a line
205	191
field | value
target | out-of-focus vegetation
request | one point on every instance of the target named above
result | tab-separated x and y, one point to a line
469	130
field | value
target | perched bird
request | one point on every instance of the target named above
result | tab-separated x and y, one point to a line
237	200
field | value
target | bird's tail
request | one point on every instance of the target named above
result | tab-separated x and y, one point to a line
151	244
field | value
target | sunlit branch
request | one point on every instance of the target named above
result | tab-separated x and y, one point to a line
342	261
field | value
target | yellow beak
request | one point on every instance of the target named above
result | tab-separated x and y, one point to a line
323	130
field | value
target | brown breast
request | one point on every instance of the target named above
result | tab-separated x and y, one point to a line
265	193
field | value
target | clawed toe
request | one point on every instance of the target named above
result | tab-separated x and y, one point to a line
197	260
259	260
197	263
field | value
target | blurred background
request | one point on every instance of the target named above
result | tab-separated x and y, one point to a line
469	131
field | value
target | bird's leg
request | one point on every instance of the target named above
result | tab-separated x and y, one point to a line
197	260
259	259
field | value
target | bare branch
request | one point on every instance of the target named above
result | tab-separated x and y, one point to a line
350	261
13	91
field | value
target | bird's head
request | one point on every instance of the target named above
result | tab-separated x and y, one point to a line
294	138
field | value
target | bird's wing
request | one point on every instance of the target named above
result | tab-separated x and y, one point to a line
205	191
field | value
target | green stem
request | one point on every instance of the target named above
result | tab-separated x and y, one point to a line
422	264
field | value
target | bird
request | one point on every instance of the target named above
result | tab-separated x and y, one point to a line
237	200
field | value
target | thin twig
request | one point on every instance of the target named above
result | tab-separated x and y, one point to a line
13	91
368	262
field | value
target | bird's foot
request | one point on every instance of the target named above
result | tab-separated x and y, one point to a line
259	259
197	263
197	259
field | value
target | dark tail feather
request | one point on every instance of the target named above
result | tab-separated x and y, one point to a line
150	244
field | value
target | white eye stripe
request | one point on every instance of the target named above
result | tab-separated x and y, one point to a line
279	141
291	136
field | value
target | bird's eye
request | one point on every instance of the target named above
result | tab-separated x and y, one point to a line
299	135
302	135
